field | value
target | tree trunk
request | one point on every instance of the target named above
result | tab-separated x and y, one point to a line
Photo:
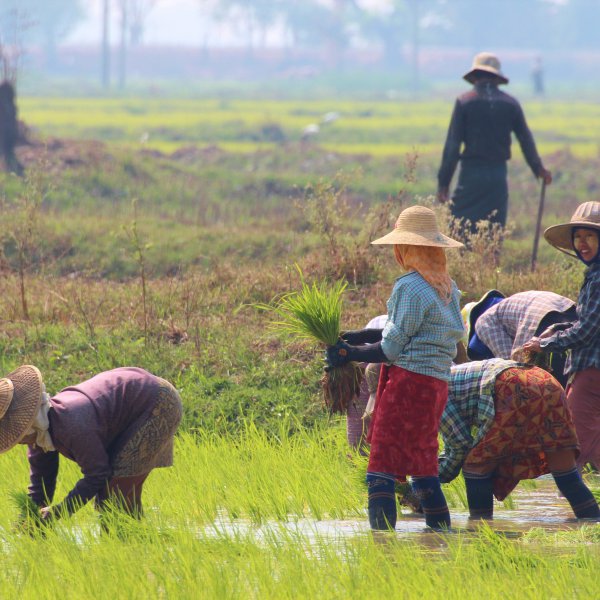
9	128
123	46
105	44
415	46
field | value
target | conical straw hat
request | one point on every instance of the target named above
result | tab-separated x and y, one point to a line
20	398
417	226
561	236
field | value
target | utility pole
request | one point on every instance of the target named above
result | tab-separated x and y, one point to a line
105	44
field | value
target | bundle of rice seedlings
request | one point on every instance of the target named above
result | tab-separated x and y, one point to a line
313	314
30	515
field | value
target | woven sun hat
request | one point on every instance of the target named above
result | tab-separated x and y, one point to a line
20	399
561	236
417	226
488	63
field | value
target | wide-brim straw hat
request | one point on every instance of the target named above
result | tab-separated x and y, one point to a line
561	236
488	63
417	226
20	399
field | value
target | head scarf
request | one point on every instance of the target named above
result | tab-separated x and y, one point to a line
41	424
596	259
430	263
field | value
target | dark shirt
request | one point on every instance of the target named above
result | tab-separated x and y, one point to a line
89	424
583	337
482	121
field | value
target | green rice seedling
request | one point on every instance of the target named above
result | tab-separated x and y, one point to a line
189	539
313	314
30	517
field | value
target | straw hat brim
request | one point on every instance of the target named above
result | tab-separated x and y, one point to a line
468	76
561	236
438	240
6	395
27	394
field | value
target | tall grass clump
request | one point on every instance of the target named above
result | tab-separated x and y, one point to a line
313	313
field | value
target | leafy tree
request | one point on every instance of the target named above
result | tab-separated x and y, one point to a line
49	20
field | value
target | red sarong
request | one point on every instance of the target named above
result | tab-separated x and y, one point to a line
404	428
531	419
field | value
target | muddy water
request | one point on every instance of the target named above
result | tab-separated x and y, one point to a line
540	508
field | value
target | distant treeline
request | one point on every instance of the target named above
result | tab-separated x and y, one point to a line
413	37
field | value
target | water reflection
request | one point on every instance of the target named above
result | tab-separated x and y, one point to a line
535	507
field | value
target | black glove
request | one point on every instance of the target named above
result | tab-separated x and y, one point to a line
342	353
357	337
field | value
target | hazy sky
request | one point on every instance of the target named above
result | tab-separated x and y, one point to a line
170	22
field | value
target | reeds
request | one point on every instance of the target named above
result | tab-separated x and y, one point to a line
313	313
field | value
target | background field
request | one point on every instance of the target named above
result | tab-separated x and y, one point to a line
145	233
377	127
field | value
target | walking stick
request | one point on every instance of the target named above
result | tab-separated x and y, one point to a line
538	226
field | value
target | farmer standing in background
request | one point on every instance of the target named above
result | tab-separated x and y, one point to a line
580	238
482	123
117	427
417	345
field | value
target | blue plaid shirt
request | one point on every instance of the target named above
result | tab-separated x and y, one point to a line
421	332
470	410
583	337
507	325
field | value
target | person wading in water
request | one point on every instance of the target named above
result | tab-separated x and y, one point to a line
505	422
580	238
417	345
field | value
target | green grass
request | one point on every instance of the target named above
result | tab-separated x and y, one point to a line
221	231
379	127
228	521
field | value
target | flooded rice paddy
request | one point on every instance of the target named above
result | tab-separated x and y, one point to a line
535	506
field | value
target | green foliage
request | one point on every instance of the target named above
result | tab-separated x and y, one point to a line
260	467
276	516
313	313
28	510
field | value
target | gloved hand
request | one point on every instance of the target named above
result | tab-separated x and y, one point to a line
362	336
338	355
342	353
